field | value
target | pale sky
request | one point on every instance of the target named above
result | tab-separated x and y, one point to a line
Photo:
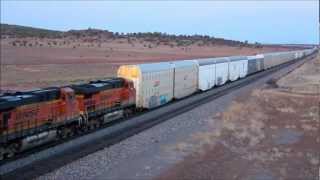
266	21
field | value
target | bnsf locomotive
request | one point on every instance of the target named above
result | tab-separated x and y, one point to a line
28	119
32	118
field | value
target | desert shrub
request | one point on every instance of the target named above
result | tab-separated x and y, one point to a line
14	44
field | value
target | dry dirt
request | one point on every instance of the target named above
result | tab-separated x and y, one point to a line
31	67
272	134
305	80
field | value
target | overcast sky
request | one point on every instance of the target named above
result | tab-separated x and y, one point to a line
267	21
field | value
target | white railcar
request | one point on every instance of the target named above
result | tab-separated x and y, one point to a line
222	71
238	67
212	72
153	83
207	71
185	80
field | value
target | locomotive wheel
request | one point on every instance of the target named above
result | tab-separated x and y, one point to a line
70	133
63	133
128	113
86	129
97	125
12	150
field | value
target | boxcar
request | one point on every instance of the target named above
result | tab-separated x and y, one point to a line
222	71
207	73
271	60
255	64
212	71
274	59
252	64
238	67
185	81
153	83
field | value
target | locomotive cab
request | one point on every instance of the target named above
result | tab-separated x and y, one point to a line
70	102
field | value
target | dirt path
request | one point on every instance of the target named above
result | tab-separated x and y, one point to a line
272	134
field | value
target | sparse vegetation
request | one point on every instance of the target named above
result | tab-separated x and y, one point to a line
96	36
24	31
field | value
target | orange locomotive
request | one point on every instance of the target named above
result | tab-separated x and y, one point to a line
104	100
29	119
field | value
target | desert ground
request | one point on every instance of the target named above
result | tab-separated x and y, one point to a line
47	62
272	134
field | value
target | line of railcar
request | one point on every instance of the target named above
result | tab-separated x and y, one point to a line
157	83
29	119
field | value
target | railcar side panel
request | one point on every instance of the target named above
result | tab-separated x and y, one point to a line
233	70
252	65
153	83
237	67
243	68
185	78
207	76
222	73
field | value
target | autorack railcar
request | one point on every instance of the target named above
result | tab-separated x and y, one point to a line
255	64
185	80
153	83
212	72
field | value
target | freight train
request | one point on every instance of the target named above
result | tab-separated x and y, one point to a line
32	118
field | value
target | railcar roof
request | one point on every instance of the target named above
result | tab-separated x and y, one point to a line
208	61
154	67
184	63
237	58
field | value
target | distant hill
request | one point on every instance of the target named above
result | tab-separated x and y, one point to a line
25	31
97	35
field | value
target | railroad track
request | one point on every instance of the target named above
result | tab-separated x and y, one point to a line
46	158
